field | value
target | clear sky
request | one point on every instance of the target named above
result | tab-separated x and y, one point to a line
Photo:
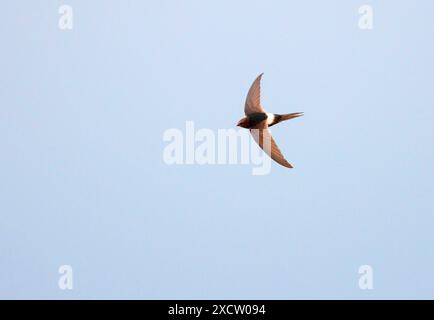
83	181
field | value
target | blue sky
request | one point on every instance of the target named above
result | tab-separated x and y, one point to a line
83	181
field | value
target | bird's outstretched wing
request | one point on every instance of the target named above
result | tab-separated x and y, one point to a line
253	100
264	139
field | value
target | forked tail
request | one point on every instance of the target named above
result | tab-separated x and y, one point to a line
290	116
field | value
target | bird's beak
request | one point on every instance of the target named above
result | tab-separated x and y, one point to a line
239	123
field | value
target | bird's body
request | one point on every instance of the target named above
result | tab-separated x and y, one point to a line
271	119
257	120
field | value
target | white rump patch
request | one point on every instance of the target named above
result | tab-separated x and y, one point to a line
270	118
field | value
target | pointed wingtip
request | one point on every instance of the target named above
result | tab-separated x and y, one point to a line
286	164
259	78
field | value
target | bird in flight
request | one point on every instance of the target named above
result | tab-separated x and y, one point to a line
257	120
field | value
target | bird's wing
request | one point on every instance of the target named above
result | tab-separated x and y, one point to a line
253	100
264	139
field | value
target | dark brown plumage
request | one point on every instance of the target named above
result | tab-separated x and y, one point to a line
257	120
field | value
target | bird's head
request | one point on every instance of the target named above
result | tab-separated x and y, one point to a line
244	123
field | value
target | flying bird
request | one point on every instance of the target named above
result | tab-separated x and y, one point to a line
257	120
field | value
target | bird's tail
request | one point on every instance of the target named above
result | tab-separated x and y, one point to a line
288	116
